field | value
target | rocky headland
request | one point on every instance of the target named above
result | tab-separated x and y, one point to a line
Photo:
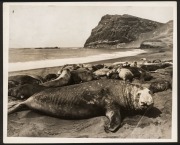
124	31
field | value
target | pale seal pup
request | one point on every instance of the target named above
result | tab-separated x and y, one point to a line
62	80
125	74
101	72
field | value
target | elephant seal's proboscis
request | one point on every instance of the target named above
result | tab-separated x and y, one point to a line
90	99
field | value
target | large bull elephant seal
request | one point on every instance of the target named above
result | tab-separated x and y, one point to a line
90	99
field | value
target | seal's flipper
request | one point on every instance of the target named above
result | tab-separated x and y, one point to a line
114	116
16	108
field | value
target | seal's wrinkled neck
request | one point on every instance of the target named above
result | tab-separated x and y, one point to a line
135	97
126	95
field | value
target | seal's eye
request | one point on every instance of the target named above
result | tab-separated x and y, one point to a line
150	92
138	95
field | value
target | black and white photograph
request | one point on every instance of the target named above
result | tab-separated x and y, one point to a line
89	72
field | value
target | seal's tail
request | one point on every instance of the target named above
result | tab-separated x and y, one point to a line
15	107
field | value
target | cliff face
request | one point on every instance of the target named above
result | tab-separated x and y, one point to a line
162	37
119	30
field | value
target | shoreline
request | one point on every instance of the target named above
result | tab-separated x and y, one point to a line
152	54
21	66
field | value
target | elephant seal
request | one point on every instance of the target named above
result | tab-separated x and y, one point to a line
159	86
62	80
50	77
81	75
155	66
112	74
141	74
165	71
69	67
125	74
101	72
97	66
25	91
90	99
24	79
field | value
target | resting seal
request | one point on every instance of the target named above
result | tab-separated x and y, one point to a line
155	66
101	72
159	86
62	80
113	74
24	79
139	73
125	74
25	91
90	99
69	67
81	75
165	71
97	66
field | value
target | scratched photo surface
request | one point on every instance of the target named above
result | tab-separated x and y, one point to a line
90	72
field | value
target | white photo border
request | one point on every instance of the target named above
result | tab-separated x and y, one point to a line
6	139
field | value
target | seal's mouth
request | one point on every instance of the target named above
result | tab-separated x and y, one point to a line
146	105
151	105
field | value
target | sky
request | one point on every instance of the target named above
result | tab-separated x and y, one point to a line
68	26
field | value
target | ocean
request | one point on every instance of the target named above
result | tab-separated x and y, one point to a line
31	58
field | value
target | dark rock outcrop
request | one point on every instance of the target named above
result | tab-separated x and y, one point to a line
152	44
119	30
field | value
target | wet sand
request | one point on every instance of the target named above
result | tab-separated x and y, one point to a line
156	123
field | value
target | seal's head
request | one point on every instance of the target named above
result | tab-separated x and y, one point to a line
16	92
143	99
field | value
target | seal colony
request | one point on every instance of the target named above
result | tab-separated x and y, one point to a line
85	91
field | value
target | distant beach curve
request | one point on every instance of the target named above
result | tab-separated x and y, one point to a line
18	66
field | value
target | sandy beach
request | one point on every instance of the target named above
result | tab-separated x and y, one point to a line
156	123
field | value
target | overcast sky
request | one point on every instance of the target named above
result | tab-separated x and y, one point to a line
67	26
